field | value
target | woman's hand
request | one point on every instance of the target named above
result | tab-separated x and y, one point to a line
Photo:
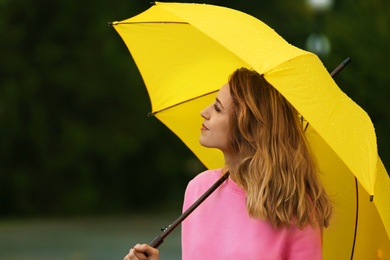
142	252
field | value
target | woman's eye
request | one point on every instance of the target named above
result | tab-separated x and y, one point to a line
217	108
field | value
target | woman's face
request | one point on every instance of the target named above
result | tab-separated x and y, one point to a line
215	127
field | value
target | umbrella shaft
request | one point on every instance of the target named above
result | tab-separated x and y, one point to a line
340	67
158	240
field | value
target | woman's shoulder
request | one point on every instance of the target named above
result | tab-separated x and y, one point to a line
199	185
206	177
204	180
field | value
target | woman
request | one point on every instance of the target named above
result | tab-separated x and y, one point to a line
272	206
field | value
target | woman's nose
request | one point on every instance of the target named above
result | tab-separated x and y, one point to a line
205	112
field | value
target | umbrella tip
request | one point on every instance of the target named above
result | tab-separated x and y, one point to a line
340	67
112	23
371	198
347	60
150	114
153	3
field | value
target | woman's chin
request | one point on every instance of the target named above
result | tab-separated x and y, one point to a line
204	144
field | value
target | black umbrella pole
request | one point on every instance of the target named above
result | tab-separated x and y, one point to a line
158	240
340	67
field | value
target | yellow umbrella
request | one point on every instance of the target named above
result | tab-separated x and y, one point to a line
185	53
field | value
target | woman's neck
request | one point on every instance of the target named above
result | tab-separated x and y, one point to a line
231	165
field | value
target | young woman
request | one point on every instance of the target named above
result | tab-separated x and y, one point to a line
272	206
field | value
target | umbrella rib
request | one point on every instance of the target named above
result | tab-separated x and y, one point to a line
182	102
154	22
356	219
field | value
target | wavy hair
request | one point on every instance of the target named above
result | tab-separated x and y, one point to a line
276	167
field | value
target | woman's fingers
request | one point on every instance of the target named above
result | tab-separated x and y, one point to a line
135	255
142	252
151	252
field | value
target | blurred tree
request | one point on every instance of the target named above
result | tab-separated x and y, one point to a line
74	134
74	138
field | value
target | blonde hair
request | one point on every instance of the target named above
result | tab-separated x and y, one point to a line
276	167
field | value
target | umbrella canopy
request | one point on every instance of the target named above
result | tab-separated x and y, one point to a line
185	53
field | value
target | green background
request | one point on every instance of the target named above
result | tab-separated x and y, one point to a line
74	133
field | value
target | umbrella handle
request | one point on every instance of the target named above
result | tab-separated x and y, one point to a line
158	240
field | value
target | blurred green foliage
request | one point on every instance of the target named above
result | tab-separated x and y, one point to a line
74	134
